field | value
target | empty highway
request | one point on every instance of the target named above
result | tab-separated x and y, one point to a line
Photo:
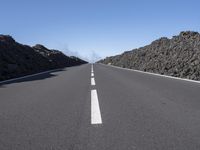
99	107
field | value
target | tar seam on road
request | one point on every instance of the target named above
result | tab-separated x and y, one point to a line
95	109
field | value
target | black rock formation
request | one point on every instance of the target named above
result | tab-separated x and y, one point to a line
179	57
17	60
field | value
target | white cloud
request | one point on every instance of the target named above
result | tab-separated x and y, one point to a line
94	57
91	57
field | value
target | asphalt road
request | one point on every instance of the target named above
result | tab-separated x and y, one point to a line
127	110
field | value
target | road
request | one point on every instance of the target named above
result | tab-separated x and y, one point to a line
104	108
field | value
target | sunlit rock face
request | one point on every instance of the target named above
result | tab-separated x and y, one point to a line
178	56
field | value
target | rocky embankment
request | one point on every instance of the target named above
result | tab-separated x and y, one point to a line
18	60
178	56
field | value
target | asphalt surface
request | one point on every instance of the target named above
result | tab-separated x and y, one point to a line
139	111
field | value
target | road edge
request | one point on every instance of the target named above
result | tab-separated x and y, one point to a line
31	75
155	74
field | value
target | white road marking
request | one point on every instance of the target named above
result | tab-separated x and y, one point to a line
32	75
92	69
95	110
155	74
92	81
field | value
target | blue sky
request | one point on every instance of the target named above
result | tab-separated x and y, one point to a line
96	28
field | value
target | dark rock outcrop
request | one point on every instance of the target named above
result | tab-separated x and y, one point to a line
18	60
179	57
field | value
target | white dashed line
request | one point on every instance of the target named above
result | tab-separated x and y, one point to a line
92	81
95	110
92	74
92	70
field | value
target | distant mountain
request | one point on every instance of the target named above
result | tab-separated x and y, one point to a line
179	56
18	60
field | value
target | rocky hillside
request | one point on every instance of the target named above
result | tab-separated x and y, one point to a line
179	56
18	60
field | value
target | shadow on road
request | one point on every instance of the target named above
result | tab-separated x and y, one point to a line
33	78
